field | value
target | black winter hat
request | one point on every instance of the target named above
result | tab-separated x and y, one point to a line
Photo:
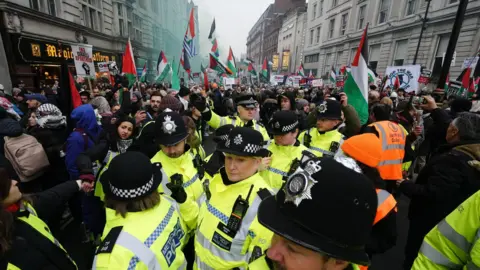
244	141
336	190
290	96
329	109
184	91
283	122
131	176
170	129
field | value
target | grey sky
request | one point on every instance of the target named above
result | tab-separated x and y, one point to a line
234	19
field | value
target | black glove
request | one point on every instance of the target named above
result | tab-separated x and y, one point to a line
178	192
200	103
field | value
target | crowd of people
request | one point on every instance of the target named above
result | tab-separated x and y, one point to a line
295	179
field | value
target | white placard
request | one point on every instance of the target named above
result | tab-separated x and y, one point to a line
408	76
83	58
317	83
228	81
103	67
470	62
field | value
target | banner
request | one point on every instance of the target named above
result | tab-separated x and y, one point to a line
293	81
317	83
83	58
285	60
407	75
470	62
103	67
275	62
228	81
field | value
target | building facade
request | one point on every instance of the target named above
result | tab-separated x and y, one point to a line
33	30
291	40
335	27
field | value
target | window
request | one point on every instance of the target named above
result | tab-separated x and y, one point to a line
92	14
154	4
330	28
313	58
320	13
318	36
353	51
93	18
328	61
343	26
334	3
138	35
51	7
374	57
338	61
452	1
384	10
411	6
314	11
120	9
121	27
400	52
441	50
361	16
130	29
311	37
142	4
34	4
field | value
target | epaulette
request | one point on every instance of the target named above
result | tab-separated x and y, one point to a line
263	193
109	242
232	117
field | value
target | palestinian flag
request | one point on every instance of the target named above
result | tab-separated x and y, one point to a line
301	71
396	83
212	30
356	85
265	69
128	65
333	75
163	67
218	66
231	62
205	76
371	76
476	84
310	75
144	73
466	83
251	68
447	83
215	50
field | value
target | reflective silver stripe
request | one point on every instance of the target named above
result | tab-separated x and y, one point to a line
222	121
137	247
166	190
472	266
267	144
234	121
277	171
202	199
238	241
184	265
395	146
257	127
390	162
383	135
201	265
94	264
436	257
325	152
382	196
453	236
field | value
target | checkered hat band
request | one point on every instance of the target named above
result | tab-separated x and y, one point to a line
251	148
290	127
132	193
223	137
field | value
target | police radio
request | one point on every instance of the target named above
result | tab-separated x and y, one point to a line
198	164
334	146
307	139
177	179
238	212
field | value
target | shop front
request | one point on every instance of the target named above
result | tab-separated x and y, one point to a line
37	61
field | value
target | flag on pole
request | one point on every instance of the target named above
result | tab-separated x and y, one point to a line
128	65
76	100
476	84
371	76
212	30
205	76
396	83
301	71
447	82
143	78
185	62
218	66
465	82
310	75
188	41
356	85
163	67
265	69
175	80
333	75
231	64
215	50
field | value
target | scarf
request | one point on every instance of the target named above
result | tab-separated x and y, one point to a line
49	116
123	145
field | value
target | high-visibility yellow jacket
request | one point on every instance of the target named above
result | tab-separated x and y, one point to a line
263	263
321	143
151	239
184	166
217	121
282	159
455	242
217	247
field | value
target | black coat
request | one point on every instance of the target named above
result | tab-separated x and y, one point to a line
27	251
446	181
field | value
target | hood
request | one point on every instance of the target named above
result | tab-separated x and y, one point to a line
472	149
84	117
291	97
10	127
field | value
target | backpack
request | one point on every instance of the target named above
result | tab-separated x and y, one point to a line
27	156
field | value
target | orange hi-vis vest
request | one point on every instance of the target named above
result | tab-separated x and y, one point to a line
386	203
392	137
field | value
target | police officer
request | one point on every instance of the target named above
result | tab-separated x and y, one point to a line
216	160
181	165
143	229
284	148
325	139
345	202
228	232
247	107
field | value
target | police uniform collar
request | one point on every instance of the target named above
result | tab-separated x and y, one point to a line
221	186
